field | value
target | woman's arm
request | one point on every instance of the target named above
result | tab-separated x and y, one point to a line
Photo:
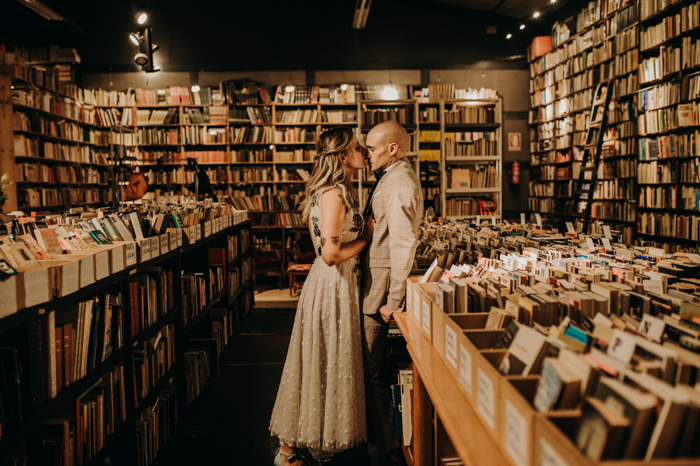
333	212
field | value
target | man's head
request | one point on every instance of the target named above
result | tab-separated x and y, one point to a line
387	143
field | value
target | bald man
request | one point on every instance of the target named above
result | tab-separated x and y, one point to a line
397	207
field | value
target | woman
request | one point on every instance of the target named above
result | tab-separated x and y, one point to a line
320	404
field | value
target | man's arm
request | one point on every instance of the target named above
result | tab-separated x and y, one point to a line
401	224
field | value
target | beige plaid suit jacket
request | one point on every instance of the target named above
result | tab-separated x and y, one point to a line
397	207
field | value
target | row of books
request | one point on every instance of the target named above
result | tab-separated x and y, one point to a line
479	176
63	197
470	206
265	202
451	92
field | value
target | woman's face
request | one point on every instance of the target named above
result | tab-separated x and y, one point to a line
355	156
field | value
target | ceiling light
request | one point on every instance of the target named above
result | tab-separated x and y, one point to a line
42	9
344	87
536	14
509	36
522	26
154	47
553	1
289	88
156	68
195	88
390	93
141	17
135	38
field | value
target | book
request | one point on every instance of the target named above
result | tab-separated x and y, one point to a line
525	354
602	431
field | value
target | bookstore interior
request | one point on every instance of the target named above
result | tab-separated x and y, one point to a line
152	207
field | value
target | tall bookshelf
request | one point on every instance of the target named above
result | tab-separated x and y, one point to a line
471	158
144	381
648	176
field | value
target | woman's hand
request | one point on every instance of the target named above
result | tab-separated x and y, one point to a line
368	229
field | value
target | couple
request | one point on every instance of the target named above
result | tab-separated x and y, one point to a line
342	319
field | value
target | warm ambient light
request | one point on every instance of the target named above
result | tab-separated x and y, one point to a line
344	87
390	93
536	14
553	1
141	18
522	26
195	88
135	38
289	88
509	36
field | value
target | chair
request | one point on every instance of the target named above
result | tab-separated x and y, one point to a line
304	256
269	260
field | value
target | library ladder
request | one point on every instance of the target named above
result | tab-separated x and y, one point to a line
585	186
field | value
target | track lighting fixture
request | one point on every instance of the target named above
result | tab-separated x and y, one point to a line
509	36
536	14
143	39
522	26
141	17
141	59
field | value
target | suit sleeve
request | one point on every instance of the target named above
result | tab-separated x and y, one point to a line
401	223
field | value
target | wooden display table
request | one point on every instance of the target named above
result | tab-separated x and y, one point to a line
434	384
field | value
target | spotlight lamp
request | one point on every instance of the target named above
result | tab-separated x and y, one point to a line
522	26
195	88
509	36
141	17
141	59
136	38
536	14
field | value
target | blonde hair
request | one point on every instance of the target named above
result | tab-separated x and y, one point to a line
327	172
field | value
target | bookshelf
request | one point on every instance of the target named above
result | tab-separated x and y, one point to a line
649	51
142	376
471	158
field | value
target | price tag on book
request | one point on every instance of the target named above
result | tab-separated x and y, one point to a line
522	219
589	242
570	227
465	368
606	232
653	327
451	345
622	346
538	217
653	286
694	258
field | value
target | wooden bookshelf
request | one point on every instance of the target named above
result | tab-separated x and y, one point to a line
434	386
20	330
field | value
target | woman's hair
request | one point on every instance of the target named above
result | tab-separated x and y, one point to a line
327	171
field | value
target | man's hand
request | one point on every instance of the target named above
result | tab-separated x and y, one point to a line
386	313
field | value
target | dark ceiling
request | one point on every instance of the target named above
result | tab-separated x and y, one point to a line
272	34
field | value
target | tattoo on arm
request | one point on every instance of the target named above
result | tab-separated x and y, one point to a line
323	242
335	239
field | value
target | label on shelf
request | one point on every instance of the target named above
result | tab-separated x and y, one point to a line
101	265
426	317
178	234
606	232
416	305
549	457
516	435
539	220
207	229
164	243
172	240
465	368
117	254
694	258
589	242
493	220
87	271
486	403
155	247
606	244
657	252
145	246
130	254
198	231
36	286
570	227
522	219
451	345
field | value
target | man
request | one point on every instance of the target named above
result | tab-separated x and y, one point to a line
397	206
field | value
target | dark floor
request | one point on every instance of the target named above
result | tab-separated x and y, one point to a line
228	423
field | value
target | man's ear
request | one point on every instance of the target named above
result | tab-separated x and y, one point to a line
393	148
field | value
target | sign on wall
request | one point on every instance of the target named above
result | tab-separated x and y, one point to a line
514	142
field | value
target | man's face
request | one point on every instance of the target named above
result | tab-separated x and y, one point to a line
379	150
